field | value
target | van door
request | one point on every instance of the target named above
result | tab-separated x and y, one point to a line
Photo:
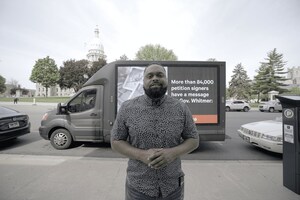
85	119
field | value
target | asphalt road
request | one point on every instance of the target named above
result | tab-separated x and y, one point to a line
233	148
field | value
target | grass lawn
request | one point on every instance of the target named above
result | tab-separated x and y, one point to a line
37	99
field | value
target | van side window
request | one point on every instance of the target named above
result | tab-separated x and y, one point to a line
84	101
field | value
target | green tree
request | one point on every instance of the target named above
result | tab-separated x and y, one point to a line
239	85
270	75
2	84
45	72
96	66
14	86
294	91
13	91
73	74
259	85
155	52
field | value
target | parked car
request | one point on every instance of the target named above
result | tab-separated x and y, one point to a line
238	105
270	106
13	124
263	134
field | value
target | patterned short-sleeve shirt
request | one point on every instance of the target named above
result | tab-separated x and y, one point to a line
147	124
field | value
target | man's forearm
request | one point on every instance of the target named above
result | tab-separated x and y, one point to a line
186	147
124	148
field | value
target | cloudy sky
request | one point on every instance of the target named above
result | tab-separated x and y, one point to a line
235	31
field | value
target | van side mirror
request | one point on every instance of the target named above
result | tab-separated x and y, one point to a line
61	109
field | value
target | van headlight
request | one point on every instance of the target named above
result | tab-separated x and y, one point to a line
45	117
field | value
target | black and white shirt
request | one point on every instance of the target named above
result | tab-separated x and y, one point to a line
147	124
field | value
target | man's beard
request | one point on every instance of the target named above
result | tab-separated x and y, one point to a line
155	93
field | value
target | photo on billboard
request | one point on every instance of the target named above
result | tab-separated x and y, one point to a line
130	83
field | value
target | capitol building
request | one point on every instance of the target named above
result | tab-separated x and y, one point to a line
95	51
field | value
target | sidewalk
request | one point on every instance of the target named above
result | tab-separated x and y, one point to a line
76	178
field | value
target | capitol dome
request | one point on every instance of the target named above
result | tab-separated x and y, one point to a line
95	47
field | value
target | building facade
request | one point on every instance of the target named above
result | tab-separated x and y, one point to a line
95	51
294	75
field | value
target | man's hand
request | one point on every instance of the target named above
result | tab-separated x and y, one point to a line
161	158
147	154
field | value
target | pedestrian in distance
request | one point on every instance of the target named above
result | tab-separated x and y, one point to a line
153	131
16	100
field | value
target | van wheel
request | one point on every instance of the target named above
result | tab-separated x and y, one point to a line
227	109
61	139
246	109
271	109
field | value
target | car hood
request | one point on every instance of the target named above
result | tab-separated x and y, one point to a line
7	115
270	127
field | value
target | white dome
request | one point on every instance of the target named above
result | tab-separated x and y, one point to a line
95	43
94	47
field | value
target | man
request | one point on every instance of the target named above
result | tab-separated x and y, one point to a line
153	131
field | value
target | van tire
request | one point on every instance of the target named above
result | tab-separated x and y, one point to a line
271	109
61	139
227	109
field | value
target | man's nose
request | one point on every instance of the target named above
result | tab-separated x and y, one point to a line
155	79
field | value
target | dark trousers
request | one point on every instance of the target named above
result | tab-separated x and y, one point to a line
132	194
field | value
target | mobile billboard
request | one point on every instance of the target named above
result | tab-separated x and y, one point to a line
201	85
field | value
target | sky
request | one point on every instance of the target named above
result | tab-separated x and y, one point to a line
234	31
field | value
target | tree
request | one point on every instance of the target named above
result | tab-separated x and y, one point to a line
155	52
212	59
239	86
270	75
13	83
2	84
14	86
96	66
45	72
294	91
259	86
73	74
123	57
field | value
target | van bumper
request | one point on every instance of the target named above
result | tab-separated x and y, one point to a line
44	132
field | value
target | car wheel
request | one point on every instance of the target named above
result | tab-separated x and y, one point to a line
271	109
227	108
61	139
246	109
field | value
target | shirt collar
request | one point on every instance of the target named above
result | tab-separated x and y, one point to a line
154	102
